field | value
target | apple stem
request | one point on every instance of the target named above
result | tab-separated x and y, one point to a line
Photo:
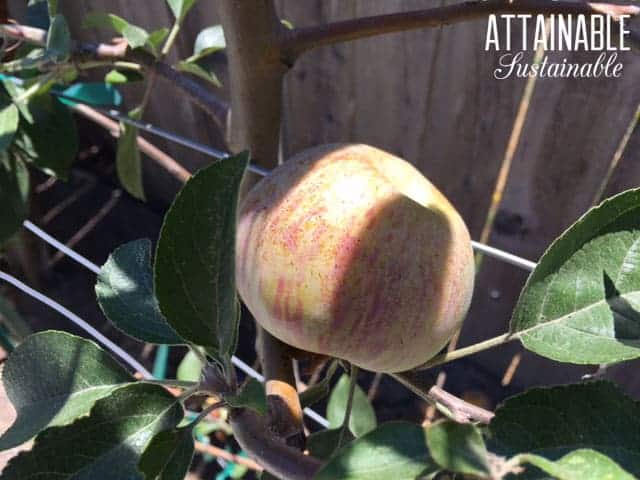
353	381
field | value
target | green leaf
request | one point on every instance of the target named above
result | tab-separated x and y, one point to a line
180	8
53	125
9	118
458	448
200	72
94	93
14	195
320	390
16	92
251	396
323	444
190	368
53	7
12	321
168	456
125	294
195	258
122	76
363	418
155	40
583	464
59	38
552	422
54	377
128	161
582	302
394	450
209	41
135	36
105	445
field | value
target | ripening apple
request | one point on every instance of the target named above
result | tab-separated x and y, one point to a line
349	251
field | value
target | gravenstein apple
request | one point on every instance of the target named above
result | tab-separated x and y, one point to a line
349	251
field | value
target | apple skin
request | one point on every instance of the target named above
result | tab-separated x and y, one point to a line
348	251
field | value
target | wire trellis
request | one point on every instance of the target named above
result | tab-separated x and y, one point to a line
501	255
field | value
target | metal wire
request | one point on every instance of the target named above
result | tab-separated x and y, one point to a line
504	256
147	127
128	359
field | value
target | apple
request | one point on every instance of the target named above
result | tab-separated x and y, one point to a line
349	251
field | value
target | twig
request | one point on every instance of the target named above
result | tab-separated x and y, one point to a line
60	207
617	156
509	154
431	409
228	456
87	227
300	40
511	369
449	404
118	50
375	385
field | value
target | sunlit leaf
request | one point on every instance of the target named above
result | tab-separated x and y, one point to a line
458	448
52	378
190	368
582	302
363	418
395	450
135	36
200	72
125	294
583	464
180	8
107	444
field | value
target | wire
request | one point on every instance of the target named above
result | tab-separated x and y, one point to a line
128	359
504	256
61	247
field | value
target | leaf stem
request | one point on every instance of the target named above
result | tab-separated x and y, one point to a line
353	381
171	38
108	63
470	350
